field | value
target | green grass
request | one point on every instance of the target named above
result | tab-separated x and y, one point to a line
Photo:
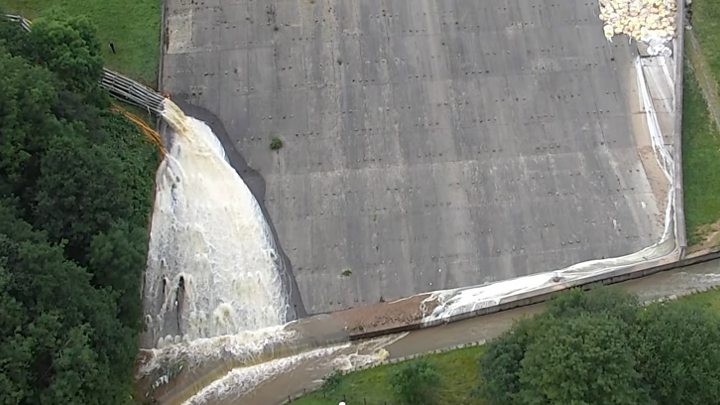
701	161
458	371
710	299
706	24
701	140
132	25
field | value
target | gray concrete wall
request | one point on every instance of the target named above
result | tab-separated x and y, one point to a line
428	144
679	57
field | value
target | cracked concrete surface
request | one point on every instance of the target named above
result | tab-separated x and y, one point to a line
427	144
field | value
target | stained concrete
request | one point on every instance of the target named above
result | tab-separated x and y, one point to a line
427	144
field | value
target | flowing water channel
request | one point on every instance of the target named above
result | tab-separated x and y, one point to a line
213	268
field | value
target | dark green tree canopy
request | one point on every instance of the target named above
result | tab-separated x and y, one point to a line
416	383
75	195
583	360
678	353
68	47
603	347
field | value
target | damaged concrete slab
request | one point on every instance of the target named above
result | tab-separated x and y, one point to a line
427	144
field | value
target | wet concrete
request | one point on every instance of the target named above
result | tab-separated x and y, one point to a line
428	144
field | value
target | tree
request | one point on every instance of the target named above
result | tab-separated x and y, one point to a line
581	360
68	47
416	382
26	123
79	193
500	365
15	349
607	300
56	318
75	194
117	260
678	350
602	347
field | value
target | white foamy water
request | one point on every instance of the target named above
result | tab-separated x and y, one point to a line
242	380
243	347
213	268
346	357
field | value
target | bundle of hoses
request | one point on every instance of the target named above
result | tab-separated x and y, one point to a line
649	21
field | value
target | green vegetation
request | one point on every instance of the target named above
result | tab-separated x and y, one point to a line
133	26
331	382
75	196
701	162
587	348
416	383
457	371
706	25
276	143
701	139
603	347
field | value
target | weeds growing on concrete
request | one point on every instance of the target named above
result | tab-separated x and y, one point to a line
276	143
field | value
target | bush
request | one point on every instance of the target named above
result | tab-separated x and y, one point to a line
416	383
276	143
331	382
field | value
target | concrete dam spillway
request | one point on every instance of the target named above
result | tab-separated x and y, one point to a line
428	145
213	268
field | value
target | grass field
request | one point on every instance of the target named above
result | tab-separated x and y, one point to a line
706	24
132	25
458	371
701	139
701	162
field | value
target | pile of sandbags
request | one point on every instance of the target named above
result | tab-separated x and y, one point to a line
650	21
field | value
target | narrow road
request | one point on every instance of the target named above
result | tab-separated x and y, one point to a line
305	374
707	82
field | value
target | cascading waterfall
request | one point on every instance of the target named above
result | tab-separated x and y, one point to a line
213	268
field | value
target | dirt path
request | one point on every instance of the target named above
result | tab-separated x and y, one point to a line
701	68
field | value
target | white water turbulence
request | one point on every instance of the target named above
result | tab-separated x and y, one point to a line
213	267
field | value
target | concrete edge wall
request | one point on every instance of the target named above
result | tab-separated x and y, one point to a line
541	295
679	55
161	63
